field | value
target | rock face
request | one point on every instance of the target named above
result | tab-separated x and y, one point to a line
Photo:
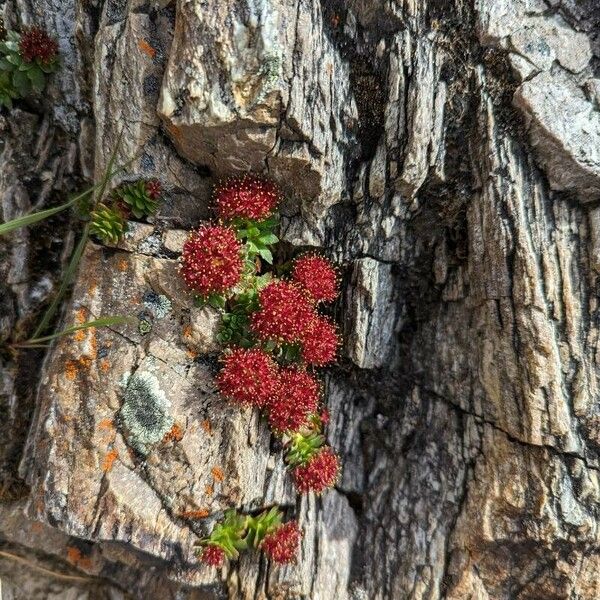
447	156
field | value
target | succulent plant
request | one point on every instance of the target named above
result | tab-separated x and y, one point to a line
108	224
25	61
141	198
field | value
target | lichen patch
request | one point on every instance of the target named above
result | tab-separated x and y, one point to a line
144	415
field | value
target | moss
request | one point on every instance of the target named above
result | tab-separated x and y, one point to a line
144	415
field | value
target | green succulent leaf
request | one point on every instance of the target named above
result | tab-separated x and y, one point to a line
302	447
266	255
262	525
268	239
21	83
136	197
107	224
37	78
217	301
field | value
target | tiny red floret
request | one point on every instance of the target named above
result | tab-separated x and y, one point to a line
248	376
317	276
35	43
283	544
320	342
212	555
153	188
284	313
248	197
319	473
211	261
296	398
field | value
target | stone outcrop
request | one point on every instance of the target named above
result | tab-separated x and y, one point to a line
446	155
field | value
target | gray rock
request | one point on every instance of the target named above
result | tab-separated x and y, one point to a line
565	132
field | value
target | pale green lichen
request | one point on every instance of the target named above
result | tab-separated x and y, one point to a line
158	304
144	415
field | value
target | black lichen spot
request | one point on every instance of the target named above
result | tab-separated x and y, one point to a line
151	86
147	162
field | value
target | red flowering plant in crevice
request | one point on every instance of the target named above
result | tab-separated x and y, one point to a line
265	532
273	333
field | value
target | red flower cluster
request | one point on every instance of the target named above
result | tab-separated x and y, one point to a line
320	342
282	545
284	312
248	377
319	473
35	43
317	276
211	261
153	188
248	197
296	398
213	555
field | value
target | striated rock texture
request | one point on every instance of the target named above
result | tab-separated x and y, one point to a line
447	155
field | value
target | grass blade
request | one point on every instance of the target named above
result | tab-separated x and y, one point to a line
69	274
32	218
107	176
68	277
102	322
36	217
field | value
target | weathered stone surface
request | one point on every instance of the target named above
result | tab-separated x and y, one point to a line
255	85
564	127
565	131
464	405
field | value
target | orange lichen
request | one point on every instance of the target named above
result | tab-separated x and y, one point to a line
93	343
146	48
187	331
217	473
209	490
109	460
71	369
85	361
123	265
79	335
75	557
106	424
105	365
92	287
81	316
206	426
194	514
73	554
175	434
191	353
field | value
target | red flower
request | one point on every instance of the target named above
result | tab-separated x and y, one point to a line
248	197
319	473
317	276
213	555
320	342
211	260
284	312
248	377
282	545
324	416
297	396
153	188
35	43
